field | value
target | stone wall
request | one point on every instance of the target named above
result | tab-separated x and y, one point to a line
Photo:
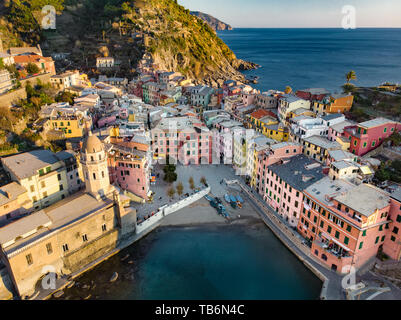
8	99
92	251
166	210
185	202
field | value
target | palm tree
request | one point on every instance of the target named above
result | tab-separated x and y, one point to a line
288	90
350	76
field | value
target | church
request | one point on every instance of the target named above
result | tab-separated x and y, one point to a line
69	235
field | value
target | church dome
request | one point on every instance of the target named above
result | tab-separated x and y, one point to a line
92	144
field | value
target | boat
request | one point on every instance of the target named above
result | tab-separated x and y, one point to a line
227	198
208	198
233	201
239	198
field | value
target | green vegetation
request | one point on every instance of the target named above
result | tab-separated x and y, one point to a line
390	172
180	188
170	175
171	192
350	76
32	68
66	97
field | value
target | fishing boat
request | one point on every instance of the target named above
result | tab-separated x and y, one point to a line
233	201
239	198
227	198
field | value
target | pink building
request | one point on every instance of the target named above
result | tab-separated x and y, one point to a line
344	224
392	242
370	134
284	183
338	129
106	121
128	164
183	139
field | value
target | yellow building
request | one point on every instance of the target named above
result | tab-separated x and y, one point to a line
44	174
277	132
333	104
318	147
72	127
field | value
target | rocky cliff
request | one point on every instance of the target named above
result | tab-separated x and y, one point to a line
177	40
213	22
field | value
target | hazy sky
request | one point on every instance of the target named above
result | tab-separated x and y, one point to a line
299	13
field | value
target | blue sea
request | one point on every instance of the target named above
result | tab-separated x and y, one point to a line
318	58
202	263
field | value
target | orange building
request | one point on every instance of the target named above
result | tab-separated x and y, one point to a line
345	224
45	64
335	103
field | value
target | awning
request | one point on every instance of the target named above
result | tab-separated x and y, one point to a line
366	170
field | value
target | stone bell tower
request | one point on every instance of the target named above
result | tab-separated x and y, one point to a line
94	167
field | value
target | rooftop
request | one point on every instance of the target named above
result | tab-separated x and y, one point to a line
295	171
27	164
323	142
62	213
328	187
10	192
365	199
375	122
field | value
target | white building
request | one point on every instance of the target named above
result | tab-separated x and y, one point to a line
288	103
105	62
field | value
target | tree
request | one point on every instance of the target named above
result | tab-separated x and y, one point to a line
395	139
288	89
203	181
170	175
65	97
180	188
32	68
348	88
350	76
191	183
171	192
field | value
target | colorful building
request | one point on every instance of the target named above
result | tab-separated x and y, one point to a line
369	135
285	181
345	224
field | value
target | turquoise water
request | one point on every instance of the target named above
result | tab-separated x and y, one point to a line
318	58
204	263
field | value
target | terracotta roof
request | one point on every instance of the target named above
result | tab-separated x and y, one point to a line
31	59
258	114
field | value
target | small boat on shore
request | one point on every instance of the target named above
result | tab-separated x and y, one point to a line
233	201
227	198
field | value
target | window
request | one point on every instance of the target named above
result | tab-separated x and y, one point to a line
32	188
384	237
395	230
104	228
346	240
29	259
84	238
393	238
329	229
349	228
385	130
337	235
65	247
61	187
59	177
381	228
364	233
398	218
377	240
360	245
43	184
49	248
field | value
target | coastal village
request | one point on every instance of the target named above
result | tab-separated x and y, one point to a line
296	153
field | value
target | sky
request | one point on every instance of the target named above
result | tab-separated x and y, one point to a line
299	13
